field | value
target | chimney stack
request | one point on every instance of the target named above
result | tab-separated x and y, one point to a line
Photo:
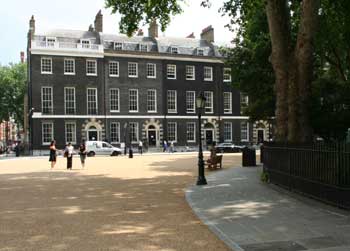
99	22
22	57
32	27
208	34
191	35
91	28
140	32
153	29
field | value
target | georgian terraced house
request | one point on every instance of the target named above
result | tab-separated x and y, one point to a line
96	86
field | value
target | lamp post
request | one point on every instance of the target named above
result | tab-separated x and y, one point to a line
125	128
30	121
130	146
200	103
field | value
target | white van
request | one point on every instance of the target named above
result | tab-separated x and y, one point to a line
101	148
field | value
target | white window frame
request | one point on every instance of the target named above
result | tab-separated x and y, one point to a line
200	52
51	44
46	143
74	132
141	47
87	101
169	66
230	126
175	101
155	101
227	76
246	139
87	67
137	132
194	132
148	70
193	93
136	69
85	45
174	50
117	48
65	100
42	99
211	73
191	76
211	104
175	132
110	63
117	131
229	110
64	66
110	100
44	71
137	100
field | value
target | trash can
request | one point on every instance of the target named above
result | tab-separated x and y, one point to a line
249	156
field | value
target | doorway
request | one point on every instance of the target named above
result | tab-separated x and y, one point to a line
92	133
152	136
261	133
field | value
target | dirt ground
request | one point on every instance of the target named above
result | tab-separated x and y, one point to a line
115	203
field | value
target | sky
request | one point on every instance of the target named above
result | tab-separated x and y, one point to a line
79	14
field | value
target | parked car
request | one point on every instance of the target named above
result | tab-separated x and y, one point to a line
228	148
101	148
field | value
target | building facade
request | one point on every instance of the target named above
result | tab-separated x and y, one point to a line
96	86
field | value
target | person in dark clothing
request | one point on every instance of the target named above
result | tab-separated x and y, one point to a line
69	153
82	153
53	151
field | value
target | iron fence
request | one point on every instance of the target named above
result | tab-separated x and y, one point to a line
320	170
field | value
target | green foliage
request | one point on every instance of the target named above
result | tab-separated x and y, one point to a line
264	177
12	89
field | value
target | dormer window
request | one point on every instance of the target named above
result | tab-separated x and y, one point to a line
200	52
174	50
85	43
118	46
50	41
143	47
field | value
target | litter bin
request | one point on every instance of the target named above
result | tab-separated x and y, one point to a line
249	156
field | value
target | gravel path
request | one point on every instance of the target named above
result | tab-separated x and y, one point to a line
114	204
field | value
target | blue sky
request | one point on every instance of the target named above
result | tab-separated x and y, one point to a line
79	14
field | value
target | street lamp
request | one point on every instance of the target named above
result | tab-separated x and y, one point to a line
125	128
200	103
30	121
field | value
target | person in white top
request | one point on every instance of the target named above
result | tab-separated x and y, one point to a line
68	152
140	147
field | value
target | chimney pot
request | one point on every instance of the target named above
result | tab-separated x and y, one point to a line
208	34
22	57
191	35
153	29
99	22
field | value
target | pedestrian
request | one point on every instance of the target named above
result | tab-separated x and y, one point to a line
53	153
172	146
68	152
165	146
82	153
140	147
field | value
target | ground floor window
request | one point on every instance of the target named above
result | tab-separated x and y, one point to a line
115	132
172	131
47	133
244	131
228	132
191	132
71	132
134	132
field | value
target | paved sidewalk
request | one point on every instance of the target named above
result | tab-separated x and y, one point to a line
250	215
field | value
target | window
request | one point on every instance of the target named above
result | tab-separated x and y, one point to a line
134	132
115	132
46	65
172	131
85	43
227	74
190	101
151	70
47	132
118	46
152	100
208	102
69	100
91	67
190	72
69	66
46	100
244	100
172	100
227	102
71	132
143	47
133	100
208	73
114	99
50	41
191	132
92	101
174	50
171	71
200	52
244	131
132	70
113	69
227	132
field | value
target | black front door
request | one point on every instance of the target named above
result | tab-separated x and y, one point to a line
209	137
152	138
92	135
260	136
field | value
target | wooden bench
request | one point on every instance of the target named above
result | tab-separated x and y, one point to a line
213	163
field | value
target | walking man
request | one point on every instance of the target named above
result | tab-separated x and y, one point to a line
140	147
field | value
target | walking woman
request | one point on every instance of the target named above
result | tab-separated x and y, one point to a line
53	150
69	153
82	152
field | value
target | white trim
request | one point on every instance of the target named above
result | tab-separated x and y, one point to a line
64	94
211	74
228	140
194	72
118	131
212	102
42	134
194	132
91	74
114	47
230	98
172	110
64	66
194	102
42	106
137	101
155	70
74	141
137	70
87	101
223	75
41	65
143	44
155	105
247	139
175	136
109	69
110	100
66	53
174	50
167	69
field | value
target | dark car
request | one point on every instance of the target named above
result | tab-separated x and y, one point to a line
228	148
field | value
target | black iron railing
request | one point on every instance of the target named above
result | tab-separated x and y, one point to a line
319	170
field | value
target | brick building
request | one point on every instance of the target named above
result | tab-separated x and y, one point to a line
92	85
